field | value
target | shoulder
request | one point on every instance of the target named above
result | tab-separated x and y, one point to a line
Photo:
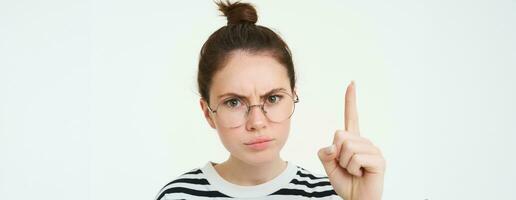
311	185
186	186
314	181
304	173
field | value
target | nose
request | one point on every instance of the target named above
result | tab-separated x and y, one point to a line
256	118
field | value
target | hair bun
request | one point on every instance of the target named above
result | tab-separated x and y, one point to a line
238	13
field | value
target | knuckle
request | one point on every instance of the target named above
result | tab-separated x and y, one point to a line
380	152
339	136
376	150
339	133
356	158
342	163
383	161
347	145
354	169
382	164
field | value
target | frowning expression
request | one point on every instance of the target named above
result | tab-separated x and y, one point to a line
250	79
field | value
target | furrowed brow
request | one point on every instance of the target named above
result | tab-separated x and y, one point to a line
231	94
261	96
272	92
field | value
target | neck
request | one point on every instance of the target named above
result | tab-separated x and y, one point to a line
237	172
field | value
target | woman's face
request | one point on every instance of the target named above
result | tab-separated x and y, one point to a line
250	79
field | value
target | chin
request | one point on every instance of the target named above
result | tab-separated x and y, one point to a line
263	157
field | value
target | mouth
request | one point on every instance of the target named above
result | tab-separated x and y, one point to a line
258	141
259	144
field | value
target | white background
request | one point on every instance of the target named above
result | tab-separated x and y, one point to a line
98	99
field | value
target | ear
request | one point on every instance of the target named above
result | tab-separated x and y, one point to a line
207	113
294	92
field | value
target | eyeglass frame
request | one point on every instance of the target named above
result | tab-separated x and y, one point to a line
295	99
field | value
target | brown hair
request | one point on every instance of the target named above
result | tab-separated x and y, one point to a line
240	33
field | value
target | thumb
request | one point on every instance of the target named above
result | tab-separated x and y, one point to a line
327	156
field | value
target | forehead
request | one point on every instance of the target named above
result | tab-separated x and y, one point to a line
249	74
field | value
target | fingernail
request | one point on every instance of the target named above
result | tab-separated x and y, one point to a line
330	150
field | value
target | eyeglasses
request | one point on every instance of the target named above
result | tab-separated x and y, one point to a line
277	107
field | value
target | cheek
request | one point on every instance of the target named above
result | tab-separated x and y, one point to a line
231	138
281	131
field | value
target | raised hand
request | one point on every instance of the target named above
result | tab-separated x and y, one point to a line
354	165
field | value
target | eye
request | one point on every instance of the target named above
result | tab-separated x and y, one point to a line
273	99
232	103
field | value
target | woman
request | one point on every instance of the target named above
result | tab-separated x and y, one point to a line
247	82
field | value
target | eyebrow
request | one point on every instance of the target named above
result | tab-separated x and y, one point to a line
261	96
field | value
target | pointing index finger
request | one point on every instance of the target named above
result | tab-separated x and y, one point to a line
350	110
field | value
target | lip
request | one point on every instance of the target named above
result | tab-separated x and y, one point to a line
259	144
258	140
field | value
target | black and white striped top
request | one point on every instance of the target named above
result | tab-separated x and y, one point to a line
205	183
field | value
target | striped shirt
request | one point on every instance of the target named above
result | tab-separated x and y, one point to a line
205	183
